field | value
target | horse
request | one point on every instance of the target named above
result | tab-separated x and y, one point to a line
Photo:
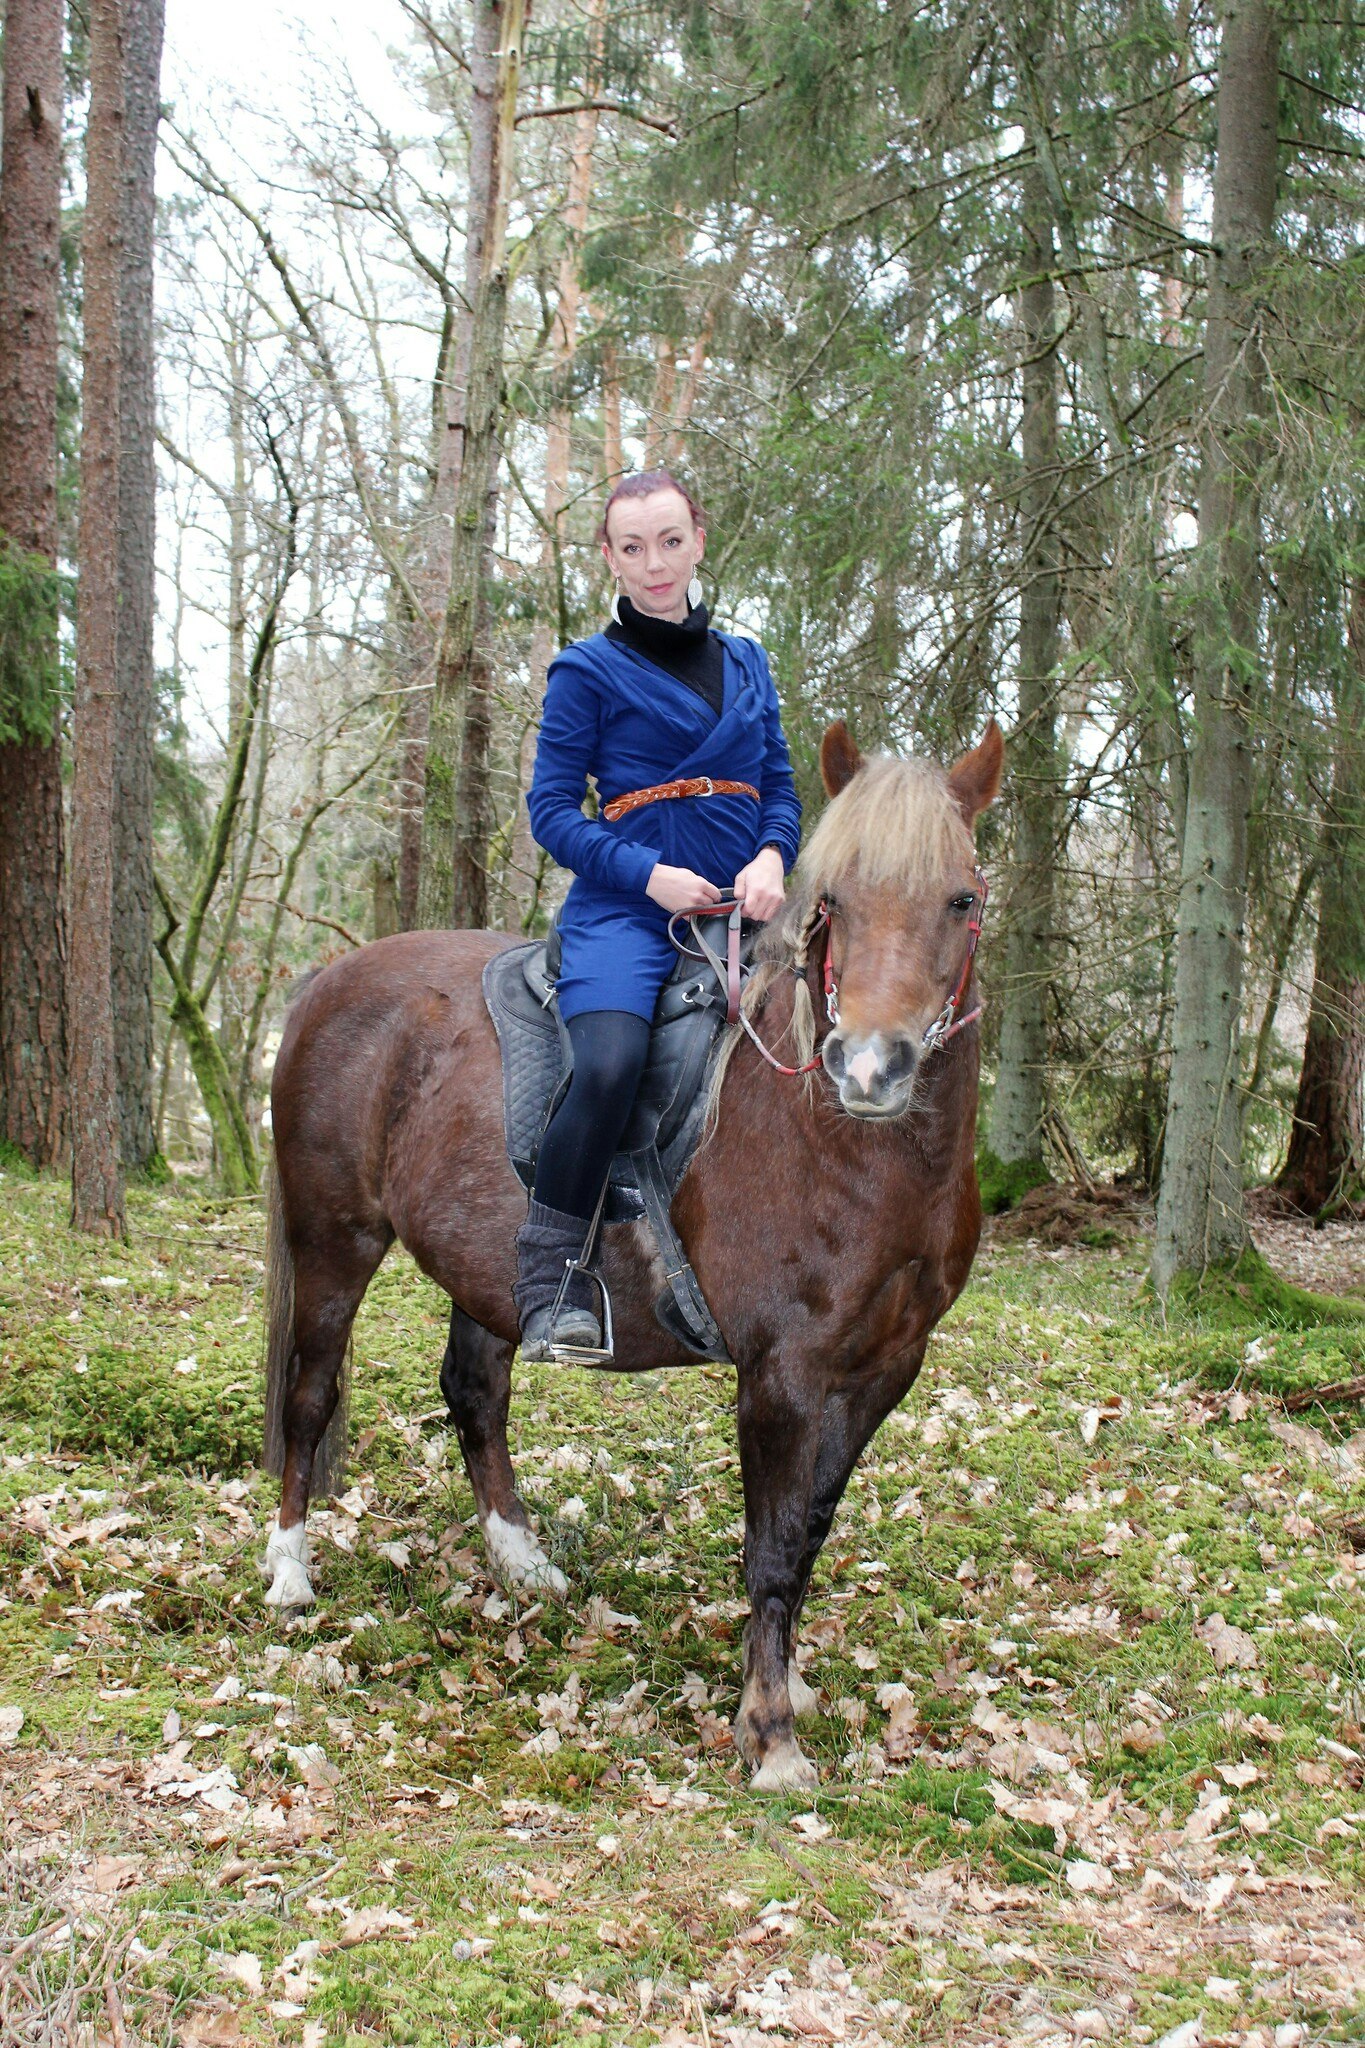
831	1221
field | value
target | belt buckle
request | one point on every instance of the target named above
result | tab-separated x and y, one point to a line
710	788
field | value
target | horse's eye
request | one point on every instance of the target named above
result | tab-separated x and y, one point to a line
960	905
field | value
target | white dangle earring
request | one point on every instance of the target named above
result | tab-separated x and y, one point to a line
616	602
694	593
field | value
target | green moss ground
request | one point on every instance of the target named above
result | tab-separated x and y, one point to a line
1011	1632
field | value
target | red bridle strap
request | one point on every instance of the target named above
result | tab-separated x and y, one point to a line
946	1025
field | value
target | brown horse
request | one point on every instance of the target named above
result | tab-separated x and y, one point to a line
831	1221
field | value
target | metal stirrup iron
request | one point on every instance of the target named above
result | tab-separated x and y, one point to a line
578	1354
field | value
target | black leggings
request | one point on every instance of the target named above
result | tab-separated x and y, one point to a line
609	1048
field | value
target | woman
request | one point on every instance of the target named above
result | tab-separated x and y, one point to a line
657	698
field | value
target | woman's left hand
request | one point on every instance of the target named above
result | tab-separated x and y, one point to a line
760	885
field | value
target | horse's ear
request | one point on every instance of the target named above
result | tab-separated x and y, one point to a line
839	757
975	781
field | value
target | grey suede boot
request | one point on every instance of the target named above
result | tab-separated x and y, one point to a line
546	1241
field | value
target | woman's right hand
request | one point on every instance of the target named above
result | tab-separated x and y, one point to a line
675	889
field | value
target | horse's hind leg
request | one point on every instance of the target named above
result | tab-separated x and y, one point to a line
328	1289
476	1379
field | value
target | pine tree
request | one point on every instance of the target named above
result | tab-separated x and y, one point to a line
133	883
33	1066
97	1174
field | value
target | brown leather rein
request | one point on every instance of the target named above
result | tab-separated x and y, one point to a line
946	1025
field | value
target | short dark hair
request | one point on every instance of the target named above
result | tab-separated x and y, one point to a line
644	484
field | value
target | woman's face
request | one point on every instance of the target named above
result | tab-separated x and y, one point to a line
653	548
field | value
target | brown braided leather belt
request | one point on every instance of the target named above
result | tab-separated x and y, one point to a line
691	785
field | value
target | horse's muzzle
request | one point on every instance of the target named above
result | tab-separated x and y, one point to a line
874	1073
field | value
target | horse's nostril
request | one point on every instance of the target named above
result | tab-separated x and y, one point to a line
834	1056
900	1060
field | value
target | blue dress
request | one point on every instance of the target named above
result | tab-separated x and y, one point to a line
613	714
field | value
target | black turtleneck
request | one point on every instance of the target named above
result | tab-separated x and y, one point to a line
688	649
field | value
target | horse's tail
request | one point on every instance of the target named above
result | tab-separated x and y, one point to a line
329	1462
279	1319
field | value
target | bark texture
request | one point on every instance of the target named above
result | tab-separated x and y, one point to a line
1020	1098
33	1071
1200	1212
450	421
97	1172
1325	1165
457	804
133	885
551	627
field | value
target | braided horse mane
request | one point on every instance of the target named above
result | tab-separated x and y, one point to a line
896	824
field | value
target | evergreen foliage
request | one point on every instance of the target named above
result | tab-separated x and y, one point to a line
31	689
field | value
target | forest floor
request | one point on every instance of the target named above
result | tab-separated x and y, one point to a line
1088	1633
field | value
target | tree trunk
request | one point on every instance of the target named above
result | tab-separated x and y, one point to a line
97	1173
1326	1160
456	812
1200	1212
613	459
660	413
551	627
33	1070
1020	1099
450	408
137	708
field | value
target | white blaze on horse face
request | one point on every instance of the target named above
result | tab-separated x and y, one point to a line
285	1565
518	1559
864	1068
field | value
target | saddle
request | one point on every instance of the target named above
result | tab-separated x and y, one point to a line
670	1103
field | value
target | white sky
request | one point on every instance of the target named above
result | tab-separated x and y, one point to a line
218	50
234	73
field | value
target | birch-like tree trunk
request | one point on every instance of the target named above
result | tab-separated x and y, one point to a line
1200	1212
550	629
457	809
33	1072
1020	1098
134	892
97	1171
1325	1165
450	420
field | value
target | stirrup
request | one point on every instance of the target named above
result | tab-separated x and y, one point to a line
578	1354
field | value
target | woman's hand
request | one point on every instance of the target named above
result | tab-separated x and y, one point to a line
760	885
677	889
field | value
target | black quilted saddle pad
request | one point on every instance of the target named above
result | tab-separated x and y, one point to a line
518	988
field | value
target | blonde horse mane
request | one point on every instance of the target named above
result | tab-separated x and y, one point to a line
895	824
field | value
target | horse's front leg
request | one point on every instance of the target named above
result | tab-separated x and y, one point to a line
853	1413
779	1415
476	1379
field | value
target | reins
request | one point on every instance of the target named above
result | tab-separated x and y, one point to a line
946	1025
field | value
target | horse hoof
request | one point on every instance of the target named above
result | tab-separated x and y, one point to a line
291	1586
519	1562
785	1769
285	1564
804	1698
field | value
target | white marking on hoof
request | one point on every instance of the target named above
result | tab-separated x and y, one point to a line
785	1769
285	1564
804	1698
519	1561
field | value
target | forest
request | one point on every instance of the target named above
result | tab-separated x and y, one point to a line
1015	356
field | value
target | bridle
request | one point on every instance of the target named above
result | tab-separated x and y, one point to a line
946	1025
